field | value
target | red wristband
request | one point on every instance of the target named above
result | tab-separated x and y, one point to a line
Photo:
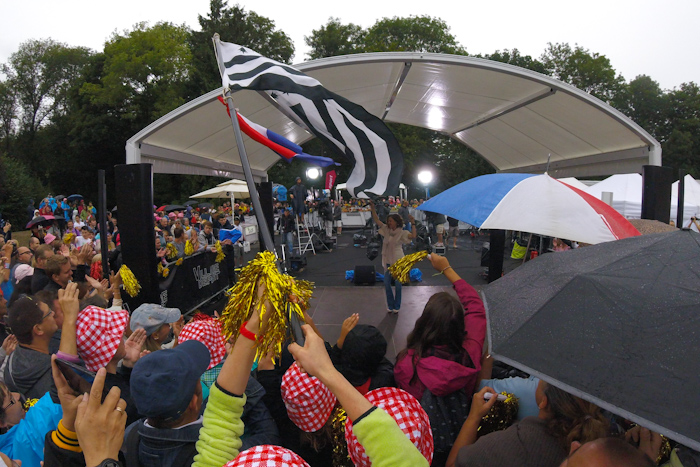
247	334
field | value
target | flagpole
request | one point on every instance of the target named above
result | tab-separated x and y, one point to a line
262	222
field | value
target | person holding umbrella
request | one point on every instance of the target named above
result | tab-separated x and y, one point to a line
392	249
544	441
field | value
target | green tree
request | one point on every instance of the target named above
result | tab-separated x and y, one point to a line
8	111
233	24
681	148
513	57
412	34
144	72
590	72
335	38
643	101
17	187
41	73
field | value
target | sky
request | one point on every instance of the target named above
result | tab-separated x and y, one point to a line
658	38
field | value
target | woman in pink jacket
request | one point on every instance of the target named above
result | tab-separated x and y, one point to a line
443	352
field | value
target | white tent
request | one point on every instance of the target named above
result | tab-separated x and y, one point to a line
627	193
691	201
572	181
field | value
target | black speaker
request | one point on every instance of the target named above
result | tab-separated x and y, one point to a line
134	189
497	248
364	275
656	192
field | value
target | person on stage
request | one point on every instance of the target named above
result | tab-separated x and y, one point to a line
392	249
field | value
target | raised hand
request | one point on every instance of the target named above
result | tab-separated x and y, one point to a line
348	325
9	344
133	346
100	425
70	303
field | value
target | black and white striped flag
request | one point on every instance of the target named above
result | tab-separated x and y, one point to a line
344	126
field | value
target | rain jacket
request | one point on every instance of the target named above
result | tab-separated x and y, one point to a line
442	376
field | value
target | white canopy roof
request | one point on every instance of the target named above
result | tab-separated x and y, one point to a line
513	117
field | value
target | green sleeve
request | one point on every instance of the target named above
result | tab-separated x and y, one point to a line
220	435
384	442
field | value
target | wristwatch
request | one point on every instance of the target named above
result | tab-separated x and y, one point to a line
110	463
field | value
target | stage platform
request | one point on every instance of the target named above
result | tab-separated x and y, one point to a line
335	298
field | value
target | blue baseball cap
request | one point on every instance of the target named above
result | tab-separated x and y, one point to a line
163	382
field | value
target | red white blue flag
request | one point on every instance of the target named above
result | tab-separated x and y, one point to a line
282	146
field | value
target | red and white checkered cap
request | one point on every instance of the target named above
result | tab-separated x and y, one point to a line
98	335
208	332
408	414
267	455
309	402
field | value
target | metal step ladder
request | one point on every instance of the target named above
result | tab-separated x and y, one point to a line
304	237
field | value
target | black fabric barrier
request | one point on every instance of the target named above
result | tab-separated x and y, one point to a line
195	281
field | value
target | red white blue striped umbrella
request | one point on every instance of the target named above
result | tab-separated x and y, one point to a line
531	203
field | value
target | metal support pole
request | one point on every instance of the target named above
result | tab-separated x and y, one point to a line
681	199
262	223
102	214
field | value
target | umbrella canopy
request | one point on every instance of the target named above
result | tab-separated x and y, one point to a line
574	182
206	205
531	203
191	203
35	221
226	190
59	197
613	323
174	207
161	209
234	181
74	197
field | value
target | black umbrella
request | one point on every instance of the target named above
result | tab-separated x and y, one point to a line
174	207
36	220
615	323
72	198
206	205
59	197
192	203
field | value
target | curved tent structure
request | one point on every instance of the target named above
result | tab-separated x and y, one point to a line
513	117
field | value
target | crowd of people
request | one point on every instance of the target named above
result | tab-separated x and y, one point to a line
84	382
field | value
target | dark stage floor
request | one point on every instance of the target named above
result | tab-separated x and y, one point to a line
335	298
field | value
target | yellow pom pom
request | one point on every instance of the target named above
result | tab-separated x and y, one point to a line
179	262
401	269
160	268
189	249
501	416
68	238
29	403
171	251
131	285
219	252
280	289
166	272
